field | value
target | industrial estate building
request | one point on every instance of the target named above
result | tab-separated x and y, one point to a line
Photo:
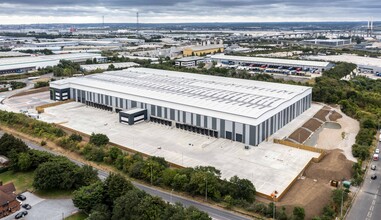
105	66
202	50
240	110
189	61
330	42
25	64
272	62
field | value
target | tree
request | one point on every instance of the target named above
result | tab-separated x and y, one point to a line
100	212
24	162
59	173
298	213
115	186
99	139
127	206
114	153
180	181
242	189
86	176
87	197
229	200
151	207
111	67
338	195
75	137
10	145
194	214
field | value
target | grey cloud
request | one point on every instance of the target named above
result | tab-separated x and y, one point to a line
317	9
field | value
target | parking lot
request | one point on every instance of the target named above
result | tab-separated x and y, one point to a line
46	209
269	166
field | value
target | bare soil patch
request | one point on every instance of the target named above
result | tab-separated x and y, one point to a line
309	194
334	166
314	192
300	135
322	114
312	124
334	116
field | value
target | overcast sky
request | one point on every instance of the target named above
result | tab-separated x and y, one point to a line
178	11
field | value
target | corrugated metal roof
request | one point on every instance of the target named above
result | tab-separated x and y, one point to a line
272	61
221	97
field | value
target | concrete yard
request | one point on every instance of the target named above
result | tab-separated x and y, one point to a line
26	102
269	166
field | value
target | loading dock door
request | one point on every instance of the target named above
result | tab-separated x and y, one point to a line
229	135
238	137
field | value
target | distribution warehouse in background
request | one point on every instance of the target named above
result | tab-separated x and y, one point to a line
105	66
31	63
245	111
272	62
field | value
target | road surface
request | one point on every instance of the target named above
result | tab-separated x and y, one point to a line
367	205
215	213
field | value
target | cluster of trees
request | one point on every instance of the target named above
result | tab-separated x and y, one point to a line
66	68
51	172
155	170
41	84
30	126
44	51
359	98
331	210
280	213
13	85
116	198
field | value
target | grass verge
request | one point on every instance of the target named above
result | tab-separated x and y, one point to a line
23	181
77	216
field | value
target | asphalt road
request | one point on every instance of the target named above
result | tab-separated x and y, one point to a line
367	205
215	213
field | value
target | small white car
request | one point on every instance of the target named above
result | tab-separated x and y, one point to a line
373	167
377	151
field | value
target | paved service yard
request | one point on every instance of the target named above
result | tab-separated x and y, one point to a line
45	209
26	102
269	166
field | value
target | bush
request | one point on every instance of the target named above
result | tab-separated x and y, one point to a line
41	84
99	139
43	143
75	137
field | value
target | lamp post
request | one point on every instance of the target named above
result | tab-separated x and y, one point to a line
274	195
206	189
342	198
151	173
171	196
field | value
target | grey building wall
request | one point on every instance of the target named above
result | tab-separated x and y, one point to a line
245	133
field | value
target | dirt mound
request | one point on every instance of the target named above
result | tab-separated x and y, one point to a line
334	116
321	114
333	166
300	135
312	124
309	194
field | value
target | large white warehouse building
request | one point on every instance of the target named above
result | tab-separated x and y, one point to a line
240	110
31	63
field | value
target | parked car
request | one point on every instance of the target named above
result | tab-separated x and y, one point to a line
373	167
377	151
373	177
26	206
21	214
21	197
